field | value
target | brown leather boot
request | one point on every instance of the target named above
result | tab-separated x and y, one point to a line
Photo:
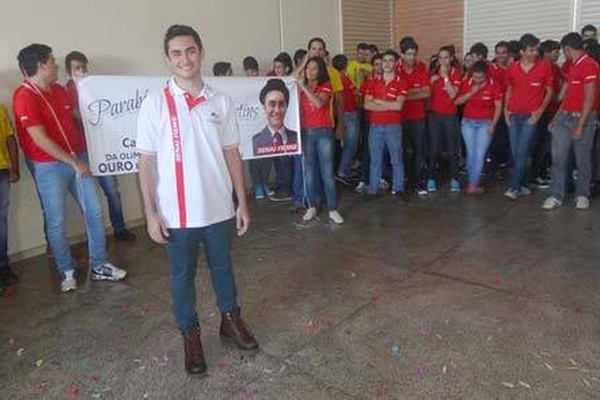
234	329
194	356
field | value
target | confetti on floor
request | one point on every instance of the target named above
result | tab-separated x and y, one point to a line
420	372
548	366
20	352
247	396
73	390
381	391
12	342
573	362
221	365
444	369
311	327
395	350
508	385
38	363
525	385
586	382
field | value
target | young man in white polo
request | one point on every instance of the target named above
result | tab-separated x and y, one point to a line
188	141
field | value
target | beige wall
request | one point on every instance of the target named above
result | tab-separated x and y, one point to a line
125	37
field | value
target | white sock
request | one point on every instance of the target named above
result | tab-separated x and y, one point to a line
69	274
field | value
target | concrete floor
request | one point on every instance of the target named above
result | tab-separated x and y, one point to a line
449	297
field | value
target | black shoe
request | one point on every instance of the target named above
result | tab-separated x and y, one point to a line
8	277
280	195
342	179
125	236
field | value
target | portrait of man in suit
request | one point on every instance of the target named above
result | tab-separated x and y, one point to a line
275	138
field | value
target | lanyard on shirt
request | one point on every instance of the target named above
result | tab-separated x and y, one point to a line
37	91
176	137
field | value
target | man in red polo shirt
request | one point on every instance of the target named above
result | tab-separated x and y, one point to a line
55	148
574	124
528	93
414	73
384	99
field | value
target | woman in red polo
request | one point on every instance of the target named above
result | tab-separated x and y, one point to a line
317	136
482	97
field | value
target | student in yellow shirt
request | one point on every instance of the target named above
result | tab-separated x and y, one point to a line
359	68
9	173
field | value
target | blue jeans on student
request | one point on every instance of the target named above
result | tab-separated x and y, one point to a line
521	135
4	193
563	146
297	180
318	155
110	187
54	180
350	143
477	140
380	137
182	251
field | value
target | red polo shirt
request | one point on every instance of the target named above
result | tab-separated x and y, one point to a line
498	74
441	102
417	78
380	90
557	79
312	117
528	88
363	90
31	110
481	104
348	94
581	72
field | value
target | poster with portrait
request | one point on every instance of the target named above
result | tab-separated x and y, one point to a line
269	125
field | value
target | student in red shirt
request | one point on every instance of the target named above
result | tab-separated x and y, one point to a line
542	157
442	122
350	141
482	98
365	158
574	124
317	135
384	99
528	93
414	73
54	145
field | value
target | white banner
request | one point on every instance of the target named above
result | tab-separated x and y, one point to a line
109	107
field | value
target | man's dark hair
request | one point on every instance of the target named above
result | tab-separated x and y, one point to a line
588	42
286	60
317	39
362	46
408	43
181	30
528	40
593	50
74	56
392	53
547	46
588	28
339	62
502	43
573	40
479	49
374	49
250	63
30	56
377	56
274	84
299	56
514	47
480	66
323	75
221	68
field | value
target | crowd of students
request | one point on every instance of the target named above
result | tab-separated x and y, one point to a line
390	117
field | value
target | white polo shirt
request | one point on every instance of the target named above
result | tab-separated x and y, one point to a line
194	188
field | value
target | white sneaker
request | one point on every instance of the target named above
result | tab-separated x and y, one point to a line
383	184
511	194
68	284
108	272
551	203
524	191
336	217
310	214
582	203
361	187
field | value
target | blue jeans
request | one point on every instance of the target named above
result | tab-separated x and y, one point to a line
350	142
110	187
4	193
182	250
380	137
563	146
297	180
521	135
54	180
477	140
318	154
